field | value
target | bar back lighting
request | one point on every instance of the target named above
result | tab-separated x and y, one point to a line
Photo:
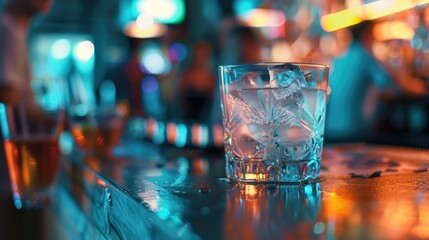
370	11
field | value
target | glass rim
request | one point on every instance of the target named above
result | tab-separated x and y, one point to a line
266	64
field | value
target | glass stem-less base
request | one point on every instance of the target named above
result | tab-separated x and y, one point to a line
281	171
33	200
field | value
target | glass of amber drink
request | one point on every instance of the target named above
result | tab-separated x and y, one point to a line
31	143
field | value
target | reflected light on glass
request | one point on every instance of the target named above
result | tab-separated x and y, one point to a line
259	17
84	50
61	49
144	20
281	51
177	52
393	30
200	135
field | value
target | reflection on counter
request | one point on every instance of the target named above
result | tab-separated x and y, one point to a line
187	192
278	211
178	134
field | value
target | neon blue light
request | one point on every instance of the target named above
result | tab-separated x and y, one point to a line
3	121
17	200
242	6
61	49
204	136
108	93
177	52
153	61
182	133
159	135
150	84
163	213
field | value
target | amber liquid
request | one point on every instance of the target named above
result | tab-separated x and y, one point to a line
97	138
32	162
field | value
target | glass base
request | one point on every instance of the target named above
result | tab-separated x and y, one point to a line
33	200
280	171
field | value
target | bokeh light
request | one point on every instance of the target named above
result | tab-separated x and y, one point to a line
149	84
154	61
177	52
164	11
281	51
84	50
132	29
61	49
259	17
144	20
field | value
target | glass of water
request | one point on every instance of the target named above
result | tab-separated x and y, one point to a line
273	118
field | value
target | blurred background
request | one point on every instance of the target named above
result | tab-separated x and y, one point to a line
159	58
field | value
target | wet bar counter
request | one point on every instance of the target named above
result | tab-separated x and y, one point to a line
146	191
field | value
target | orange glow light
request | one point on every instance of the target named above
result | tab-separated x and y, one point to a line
370	11
133	29
393	30
217	135
171	133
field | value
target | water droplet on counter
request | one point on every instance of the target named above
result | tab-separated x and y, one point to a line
179	192
224	179
204	190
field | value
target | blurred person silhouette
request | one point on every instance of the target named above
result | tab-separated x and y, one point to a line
238	45
197	83
15	71
15	81
127	78
357	79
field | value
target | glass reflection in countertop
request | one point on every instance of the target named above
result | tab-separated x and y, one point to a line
278	211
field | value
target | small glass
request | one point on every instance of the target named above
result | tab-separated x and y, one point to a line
98	130
273	118
32	151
